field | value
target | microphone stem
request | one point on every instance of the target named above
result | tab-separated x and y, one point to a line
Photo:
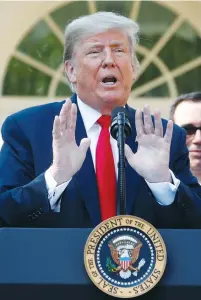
121	165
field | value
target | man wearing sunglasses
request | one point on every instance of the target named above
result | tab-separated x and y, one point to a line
186	112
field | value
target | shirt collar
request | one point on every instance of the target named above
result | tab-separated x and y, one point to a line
89	114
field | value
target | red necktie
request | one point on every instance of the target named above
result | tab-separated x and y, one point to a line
105	171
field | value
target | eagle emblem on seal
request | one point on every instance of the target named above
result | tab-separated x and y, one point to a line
125	252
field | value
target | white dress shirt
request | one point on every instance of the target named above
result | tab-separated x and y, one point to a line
164	192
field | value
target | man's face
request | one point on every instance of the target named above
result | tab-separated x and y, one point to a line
102	70
188	115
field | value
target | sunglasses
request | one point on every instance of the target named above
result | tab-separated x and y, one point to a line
190	129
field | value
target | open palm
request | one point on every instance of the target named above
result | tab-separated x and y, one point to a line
68	157
151	160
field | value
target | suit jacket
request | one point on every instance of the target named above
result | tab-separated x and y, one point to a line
27	154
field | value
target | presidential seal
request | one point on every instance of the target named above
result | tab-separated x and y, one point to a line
125	256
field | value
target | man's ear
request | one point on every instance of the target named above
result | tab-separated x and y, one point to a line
70	71
134	75
135	67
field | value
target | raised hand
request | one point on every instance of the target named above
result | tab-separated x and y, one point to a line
151	160
67	156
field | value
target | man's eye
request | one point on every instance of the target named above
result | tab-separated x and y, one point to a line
190	131
94	52
119	50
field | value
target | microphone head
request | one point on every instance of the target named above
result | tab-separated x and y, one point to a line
120	117
118	109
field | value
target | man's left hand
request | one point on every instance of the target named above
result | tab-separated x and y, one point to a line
151	160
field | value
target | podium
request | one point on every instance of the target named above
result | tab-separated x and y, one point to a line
40	264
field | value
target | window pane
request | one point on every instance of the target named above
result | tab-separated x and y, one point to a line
190	81
150	73
159	91
63	90
22	79
185	45
69	12
154	19
121	7
41	44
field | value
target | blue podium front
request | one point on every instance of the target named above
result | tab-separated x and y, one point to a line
48	264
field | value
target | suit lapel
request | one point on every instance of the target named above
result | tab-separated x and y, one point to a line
86	176
133	179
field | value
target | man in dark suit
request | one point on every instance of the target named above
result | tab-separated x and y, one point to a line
50	176
186	112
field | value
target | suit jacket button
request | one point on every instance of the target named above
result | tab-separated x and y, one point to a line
34	216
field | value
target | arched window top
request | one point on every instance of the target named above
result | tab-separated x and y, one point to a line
169	51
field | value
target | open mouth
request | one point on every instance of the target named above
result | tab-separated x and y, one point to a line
109	80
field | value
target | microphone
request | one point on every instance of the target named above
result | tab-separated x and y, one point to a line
120	129
120	118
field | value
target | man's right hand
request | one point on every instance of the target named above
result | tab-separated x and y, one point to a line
67	156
